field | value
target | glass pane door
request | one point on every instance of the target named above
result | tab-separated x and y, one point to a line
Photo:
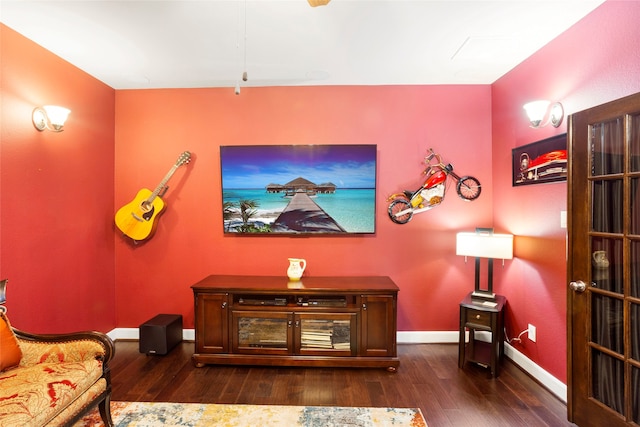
257	332
614	240
326	332
634	263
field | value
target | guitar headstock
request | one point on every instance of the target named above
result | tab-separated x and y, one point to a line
184	158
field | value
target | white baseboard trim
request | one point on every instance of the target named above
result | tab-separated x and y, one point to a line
134	334
554	385
550	382
423	337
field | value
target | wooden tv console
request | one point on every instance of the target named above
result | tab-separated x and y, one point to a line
317	321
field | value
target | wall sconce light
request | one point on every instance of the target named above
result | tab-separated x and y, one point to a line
538	110
3	295
50	117
484	244
314	3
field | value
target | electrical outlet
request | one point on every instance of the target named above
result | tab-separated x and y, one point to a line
532	333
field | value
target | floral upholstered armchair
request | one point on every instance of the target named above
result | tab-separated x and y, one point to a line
52	380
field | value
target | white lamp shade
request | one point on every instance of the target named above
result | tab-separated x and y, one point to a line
485	245
536	110
57	115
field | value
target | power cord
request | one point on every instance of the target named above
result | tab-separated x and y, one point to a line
516	338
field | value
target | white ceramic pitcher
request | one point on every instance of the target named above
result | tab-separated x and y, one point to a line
296	268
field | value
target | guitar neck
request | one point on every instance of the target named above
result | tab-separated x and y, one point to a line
163	183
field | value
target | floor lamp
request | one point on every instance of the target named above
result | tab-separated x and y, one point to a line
484	243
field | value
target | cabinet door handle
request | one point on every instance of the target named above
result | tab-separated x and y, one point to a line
297	323
224	305
364	305
477	317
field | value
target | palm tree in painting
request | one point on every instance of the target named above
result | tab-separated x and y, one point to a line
227	213
248	209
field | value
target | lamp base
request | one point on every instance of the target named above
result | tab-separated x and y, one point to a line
483	296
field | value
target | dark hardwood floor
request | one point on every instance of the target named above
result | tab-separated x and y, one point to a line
428	378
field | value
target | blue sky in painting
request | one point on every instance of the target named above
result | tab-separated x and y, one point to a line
256	166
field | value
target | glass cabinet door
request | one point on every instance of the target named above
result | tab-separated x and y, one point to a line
318	333
256	332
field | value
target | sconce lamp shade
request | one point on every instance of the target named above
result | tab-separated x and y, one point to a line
50	117
314	3
538	110
485	245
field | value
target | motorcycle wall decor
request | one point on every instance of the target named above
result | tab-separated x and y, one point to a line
404	205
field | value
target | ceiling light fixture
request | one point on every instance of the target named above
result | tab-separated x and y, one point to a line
49	117
538	110
314	3
244	72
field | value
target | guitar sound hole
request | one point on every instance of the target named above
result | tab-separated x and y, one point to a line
149	213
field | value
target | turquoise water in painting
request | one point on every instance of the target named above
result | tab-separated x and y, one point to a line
353	209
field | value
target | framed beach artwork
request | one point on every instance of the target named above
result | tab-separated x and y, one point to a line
298	189
540	162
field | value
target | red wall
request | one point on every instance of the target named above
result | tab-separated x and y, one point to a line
56	243
154	126
596	61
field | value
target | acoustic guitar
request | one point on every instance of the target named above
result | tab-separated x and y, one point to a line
138	218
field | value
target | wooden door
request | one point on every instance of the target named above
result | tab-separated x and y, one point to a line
604	265
212	333
378	325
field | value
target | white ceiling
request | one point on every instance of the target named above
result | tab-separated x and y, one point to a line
210	43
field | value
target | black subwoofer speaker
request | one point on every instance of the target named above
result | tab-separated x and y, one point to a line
160	334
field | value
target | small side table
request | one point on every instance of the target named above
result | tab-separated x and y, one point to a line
478	316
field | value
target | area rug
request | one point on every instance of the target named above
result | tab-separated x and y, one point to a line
146	414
